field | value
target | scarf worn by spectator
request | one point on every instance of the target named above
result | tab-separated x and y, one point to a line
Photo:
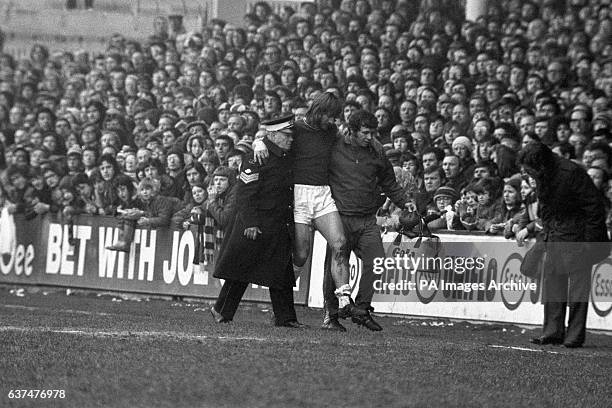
211	236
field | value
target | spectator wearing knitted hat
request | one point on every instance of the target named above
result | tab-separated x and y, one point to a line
462	148
220	204
443	216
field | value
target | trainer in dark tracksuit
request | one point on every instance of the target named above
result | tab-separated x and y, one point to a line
359	173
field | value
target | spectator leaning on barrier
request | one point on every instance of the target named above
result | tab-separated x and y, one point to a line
150	210
444	217
510	210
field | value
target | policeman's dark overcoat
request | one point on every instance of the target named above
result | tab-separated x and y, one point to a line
263	199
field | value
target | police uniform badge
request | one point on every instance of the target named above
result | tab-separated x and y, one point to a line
248	176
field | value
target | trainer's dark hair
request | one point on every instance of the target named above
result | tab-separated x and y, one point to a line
362	118
538	157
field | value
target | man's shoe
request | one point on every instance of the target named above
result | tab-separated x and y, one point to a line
543	340
333	324
293	324
120	246
571	344
367	321
351	310
218	316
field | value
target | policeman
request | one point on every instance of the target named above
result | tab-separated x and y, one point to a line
257	247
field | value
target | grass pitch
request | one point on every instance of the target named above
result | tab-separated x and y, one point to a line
161	353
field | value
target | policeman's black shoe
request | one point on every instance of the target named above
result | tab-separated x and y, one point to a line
332	324
351	310
293	324
367	321
218	316
572	344
543	340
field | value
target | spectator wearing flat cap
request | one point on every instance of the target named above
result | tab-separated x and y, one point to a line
74	160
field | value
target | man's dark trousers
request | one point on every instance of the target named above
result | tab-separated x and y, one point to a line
562	288
233	290
363	237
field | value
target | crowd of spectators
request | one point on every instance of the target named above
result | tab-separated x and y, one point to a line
173	117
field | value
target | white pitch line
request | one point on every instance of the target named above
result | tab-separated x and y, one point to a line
70	311
523	349
125	333
171	335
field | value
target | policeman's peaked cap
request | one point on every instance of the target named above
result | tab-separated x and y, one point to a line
274	125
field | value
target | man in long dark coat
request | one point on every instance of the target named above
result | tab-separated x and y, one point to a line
574	231
257	247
